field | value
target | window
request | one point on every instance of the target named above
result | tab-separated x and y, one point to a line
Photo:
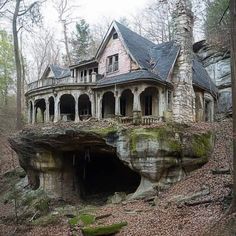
112	63
115	36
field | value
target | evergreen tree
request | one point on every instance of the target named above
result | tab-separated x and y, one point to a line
81	41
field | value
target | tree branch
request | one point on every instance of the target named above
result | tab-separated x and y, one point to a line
28	9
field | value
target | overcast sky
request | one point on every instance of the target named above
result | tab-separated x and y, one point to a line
95	10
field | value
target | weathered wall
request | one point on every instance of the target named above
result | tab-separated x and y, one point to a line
115	46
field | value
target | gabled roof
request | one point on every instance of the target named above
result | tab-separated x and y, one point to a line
163	57
202	79
136	46
57	71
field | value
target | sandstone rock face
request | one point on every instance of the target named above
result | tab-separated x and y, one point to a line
160	156
217	64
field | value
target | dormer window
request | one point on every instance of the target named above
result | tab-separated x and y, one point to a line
112	63
115	36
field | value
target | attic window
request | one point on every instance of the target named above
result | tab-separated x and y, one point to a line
113	63
115	36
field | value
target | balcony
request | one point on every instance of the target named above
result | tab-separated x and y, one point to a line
47	82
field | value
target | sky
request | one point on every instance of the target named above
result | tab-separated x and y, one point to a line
94	11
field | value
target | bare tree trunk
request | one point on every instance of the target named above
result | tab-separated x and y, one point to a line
66	42
18	66
233	75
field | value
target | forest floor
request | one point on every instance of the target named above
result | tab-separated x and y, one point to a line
194	206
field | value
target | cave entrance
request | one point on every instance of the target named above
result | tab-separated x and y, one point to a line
99	175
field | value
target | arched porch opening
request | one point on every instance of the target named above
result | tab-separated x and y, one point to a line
67	107
150	102
108	105
40	108
84	107
51	108
126	103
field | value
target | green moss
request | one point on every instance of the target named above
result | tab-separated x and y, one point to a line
73	222
174	145
165	135
103	230
201	144
105	131
87	219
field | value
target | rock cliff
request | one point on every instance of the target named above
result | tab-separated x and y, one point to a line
70	160
217	64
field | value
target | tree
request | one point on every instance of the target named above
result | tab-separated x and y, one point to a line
155	21
81	41
233	78
22	15
64	10
44	51
6	65
218	33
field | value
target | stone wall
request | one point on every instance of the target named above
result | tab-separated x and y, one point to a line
184	98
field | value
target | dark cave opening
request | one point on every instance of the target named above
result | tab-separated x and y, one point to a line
101	174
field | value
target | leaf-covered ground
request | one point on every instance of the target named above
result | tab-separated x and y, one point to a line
198	216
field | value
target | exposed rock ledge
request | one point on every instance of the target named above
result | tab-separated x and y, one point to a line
161	155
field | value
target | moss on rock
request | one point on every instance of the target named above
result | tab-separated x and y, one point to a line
103	230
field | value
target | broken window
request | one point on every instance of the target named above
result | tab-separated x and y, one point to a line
115	36
112	63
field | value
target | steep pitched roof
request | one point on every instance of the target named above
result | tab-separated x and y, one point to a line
137	45
202	79
163	57
59	72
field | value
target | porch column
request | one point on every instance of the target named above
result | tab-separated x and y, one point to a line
92	100
57	109
33	113
162	96
76	97
137	112
136	104
47	118
117	105
99	107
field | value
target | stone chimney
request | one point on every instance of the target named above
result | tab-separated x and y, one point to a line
184	98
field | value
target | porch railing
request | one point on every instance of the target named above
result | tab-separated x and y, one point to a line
144	120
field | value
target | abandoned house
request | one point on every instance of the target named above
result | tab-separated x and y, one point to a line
135	81
130	78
